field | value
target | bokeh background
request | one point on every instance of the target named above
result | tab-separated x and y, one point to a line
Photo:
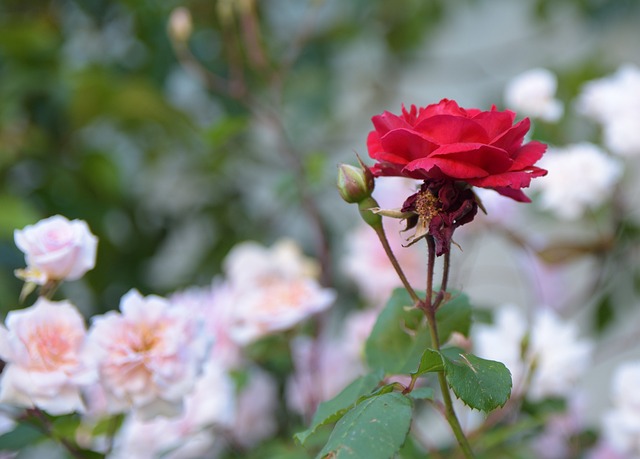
175	148
103	118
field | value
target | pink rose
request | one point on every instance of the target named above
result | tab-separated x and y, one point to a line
446	142
57	249
148	356
43	346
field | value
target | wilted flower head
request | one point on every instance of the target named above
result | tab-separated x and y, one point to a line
43	347
582	177
272	289
56	249
532	93
148	355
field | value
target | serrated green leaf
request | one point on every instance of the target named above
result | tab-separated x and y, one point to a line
482	384
22	436
332	410
430	362
400	335
373	429
421	393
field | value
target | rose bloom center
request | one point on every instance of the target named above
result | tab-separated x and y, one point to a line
50	348
56	238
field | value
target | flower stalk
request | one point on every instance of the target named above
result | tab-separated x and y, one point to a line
430	307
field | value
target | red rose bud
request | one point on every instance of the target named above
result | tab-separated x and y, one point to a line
355	184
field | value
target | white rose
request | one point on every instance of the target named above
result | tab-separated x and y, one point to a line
56	249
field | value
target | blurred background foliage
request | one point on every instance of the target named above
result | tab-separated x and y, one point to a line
173	151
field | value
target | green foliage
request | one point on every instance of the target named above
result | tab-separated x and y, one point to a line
22	436
482	384
375	428
332	410
400	335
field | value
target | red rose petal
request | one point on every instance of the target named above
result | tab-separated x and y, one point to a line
528	154
443	129
513	137
495	123
407	144
491	159
387	121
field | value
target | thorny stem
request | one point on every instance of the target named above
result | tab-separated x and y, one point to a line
430	307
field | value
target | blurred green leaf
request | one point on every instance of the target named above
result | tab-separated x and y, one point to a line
400	336
375	428
332	410
22	436
15	213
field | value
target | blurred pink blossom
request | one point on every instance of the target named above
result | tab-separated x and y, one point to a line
44	348
149	354
272	289
56	249
209	409
256	409
326	365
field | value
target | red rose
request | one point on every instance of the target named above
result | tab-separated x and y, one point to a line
445	141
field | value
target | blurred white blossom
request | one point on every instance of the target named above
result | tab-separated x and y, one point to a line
47	366
549	347
581	176
621	425
614	102
532	93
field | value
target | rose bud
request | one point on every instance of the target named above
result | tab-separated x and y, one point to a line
355	184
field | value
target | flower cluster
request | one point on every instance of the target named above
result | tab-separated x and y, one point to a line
168	364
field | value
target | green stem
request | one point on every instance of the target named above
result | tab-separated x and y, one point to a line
430	307
394	261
